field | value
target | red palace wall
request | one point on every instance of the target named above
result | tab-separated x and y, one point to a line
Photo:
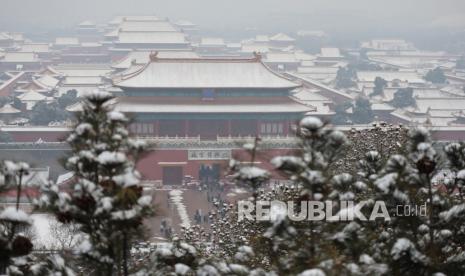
57	136
151	165
448	135
46	136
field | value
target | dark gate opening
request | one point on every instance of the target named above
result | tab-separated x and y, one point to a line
172	175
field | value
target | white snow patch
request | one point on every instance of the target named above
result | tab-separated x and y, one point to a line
452	212
145	201
177	198
312	272
111	158
127	179
11	214
181	269
385	182
252	172
311	123
82	128
461	175
116	116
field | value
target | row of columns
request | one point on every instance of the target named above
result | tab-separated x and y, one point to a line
186	126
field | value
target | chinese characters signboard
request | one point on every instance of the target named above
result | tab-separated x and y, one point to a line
209	154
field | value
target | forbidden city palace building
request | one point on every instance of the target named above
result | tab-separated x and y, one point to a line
210	98
196	109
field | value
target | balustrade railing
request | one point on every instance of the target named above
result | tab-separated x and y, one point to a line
169	142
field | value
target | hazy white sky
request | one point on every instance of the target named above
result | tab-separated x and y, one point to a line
310	14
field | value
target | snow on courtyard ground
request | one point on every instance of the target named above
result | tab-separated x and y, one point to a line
178	200
43	237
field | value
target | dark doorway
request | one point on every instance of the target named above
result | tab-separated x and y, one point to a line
209	174
172	175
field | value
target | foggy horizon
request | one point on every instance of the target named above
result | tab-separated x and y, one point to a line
392	18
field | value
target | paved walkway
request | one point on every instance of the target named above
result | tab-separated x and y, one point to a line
177	206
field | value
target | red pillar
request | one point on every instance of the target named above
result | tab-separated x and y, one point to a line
155	128
229	128
286	127
186	128
259	122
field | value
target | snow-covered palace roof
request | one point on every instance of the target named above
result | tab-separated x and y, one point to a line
142	57
204	73
229	105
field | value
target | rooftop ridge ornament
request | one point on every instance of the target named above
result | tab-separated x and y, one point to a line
153	56
257	56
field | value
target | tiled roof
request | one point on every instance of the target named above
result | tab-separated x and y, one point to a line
205	73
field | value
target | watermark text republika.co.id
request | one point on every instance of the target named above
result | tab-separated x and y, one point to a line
323	210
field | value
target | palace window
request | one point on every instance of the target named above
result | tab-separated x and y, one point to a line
271	128
141	128
208	94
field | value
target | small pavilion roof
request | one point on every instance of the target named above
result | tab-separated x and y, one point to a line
9	109
5	36
32	96
48	81
49	71
282	37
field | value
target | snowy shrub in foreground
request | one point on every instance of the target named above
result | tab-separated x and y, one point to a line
108	205
16	245
432	243
106	201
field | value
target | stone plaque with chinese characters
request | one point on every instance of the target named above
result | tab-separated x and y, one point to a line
209	154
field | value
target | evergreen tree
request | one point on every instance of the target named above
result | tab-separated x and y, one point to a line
13	221
68	99
345	77
107	201
43	113
342	117
5	137
4	100
107	204
425	244
380	84
362	113
436	76
403	98
16	247
17	103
